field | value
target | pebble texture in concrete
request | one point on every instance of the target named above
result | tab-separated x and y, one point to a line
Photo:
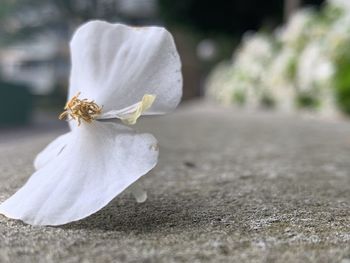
229	187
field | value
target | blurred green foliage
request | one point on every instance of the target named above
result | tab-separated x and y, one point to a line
342	82
304	101
239	98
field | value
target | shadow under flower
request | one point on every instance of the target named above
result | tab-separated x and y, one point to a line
157	213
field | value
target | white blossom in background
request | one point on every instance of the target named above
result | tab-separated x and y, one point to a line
237	82
255	50
315	72
217	83
250	63
343	5
296	66
279	82
226	85
314	69
338	35
296	32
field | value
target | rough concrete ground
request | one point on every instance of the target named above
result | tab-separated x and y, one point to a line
229	187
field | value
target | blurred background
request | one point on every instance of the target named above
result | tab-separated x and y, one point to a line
283	55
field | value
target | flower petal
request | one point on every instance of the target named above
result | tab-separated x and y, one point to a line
99	161
51	151
116	65
131	114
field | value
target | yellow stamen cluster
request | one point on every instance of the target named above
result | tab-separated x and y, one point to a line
78	110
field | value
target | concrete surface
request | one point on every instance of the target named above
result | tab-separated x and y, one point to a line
229	187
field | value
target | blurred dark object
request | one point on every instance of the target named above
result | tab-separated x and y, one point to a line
224	17
186	45
220	16
16	104
290	6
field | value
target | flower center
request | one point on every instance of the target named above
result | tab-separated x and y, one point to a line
78	110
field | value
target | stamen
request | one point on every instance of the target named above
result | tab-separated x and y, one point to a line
78	110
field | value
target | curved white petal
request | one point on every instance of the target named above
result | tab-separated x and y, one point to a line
51	151
116	65
99	162
130	115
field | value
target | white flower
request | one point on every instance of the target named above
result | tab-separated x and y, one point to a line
315	78
341	4
218	83
279	72
122	72
297	30
278	80
315	70
338	36
253	54
239	81
250	63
